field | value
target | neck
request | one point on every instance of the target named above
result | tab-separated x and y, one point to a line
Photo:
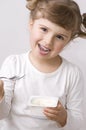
45	65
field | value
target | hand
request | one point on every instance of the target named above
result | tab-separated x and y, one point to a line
1	89
58	114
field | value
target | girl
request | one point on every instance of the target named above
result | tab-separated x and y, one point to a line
43	72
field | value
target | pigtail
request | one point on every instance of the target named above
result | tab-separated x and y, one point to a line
84	19
83	27
84	22
31	4
81	21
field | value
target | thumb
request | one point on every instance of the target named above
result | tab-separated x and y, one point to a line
59	105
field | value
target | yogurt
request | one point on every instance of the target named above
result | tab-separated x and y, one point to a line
38	103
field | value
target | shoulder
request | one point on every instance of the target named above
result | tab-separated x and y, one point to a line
72	69
13	59
74	76
12	64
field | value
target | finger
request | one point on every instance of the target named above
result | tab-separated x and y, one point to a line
59	103
59	106
51	110
50	116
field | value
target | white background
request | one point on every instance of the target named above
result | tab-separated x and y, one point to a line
14	36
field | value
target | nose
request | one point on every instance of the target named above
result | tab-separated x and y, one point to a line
48	39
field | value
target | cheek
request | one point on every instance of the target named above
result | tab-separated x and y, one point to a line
34	38
58	47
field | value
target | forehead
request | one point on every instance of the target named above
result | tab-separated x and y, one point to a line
50	25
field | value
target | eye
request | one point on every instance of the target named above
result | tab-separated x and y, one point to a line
44	29
60	37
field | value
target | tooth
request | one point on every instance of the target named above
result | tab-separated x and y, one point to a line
44	48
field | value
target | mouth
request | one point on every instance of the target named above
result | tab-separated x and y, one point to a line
43	49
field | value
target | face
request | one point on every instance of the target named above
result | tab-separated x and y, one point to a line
47	39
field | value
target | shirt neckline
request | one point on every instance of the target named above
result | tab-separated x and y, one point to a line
34	69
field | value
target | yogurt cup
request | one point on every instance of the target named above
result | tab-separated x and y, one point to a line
38	103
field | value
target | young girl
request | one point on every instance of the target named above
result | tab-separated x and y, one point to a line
43	72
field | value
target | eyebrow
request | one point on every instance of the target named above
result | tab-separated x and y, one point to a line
44	26
56	33
63	35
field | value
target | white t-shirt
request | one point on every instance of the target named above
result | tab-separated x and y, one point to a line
22	80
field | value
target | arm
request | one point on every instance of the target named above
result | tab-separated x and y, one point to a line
75	101
71	116
6	86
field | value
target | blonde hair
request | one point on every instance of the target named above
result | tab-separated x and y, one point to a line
65	13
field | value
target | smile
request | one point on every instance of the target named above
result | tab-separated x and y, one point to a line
43	49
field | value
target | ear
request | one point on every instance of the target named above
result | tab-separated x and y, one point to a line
30	23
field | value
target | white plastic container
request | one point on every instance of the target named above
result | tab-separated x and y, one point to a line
38	103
